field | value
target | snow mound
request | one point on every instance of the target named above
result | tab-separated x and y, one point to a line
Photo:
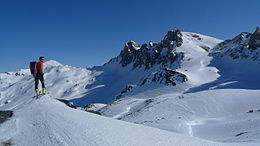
52	63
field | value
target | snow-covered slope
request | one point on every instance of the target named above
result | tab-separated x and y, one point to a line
238	62
218	115
62	81
188	83
179	60
196	107
47	121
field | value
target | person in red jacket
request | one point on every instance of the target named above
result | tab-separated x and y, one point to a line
40	76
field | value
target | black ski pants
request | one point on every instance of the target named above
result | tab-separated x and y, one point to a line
37	78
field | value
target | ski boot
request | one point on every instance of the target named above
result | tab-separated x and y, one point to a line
44	91
38	92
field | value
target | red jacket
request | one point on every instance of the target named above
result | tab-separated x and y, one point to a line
40	67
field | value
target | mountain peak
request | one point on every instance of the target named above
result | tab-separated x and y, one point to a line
173	36
245	45
132	45
152	53
52	63
254	41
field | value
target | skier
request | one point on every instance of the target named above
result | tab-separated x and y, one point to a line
40	76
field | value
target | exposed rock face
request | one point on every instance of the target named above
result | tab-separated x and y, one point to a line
89	108
127	89
173	37
4	115
129	52
166	76
254	41
69	104
162	54
93	112
19	74
243	46
150	54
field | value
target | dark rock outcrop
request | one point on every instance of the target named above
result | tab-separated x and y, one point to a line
4	115
243	46
94	112
250	111
127	89
172	37
241	133
150	54
166	76
19	74
69	104
129	53
88	107
254	41
7	142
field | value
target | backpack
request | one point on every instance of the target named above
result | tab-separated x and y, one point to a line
33	67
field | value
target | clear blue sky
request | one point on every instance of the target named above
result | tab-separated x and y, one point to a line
89	32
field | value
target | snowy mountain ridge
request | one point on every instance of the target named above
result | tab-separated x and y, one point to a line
188	83
242	46
136	63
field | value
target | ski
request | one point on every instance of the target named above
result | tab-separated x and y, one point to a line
39	96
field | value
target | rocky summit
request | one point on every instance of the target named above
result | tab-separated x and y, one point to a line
254	41
245	45
152	53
